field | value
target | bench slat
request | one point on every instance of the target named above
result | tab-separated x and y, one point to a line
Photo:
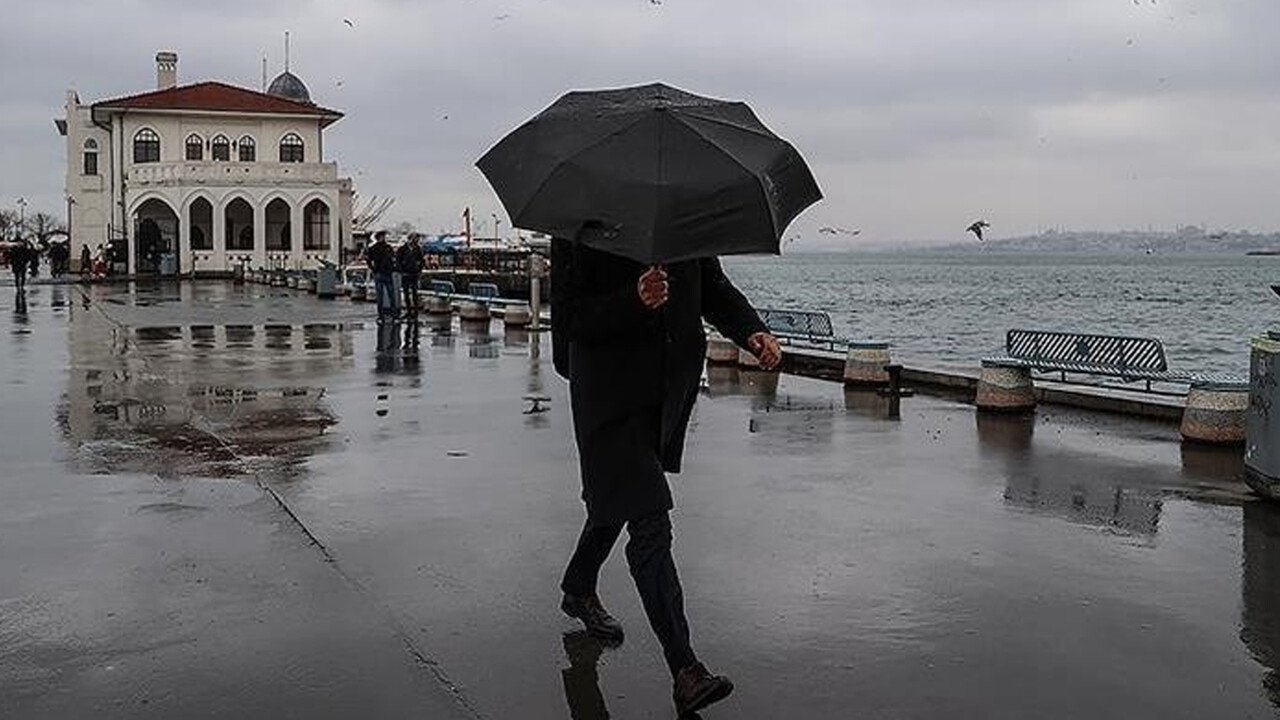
803	324
1105	351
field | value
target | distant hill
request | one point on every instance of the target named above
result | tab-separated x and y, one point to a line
1189	239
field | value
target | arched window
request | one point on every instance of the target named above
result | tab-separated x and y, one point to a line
90	157
291	148
248	149
146	146
221	148
195	147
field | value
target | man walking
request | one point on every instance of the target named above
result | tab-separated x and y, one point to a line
410	259
382	263
19	258
629	339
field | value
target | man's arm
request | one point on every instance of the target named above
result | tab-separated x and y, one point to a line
725	307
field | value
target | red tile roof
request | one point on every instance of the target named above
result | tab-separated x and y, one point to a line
218	97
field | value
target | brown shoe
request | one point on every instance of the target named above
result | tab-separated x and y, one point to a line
695	688
594	617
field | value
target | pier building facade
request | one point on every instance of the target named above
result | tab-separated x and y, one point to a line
204	177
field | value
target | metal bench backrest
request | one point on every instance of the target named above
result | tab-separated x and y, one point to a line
802	324
1102	351
483	290
441	286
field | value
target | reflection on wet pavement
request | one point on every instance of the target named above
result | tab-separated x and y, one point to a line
838	561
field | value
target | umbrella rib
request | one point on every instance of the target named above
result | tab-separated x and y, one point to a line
728	153
727	123
542	185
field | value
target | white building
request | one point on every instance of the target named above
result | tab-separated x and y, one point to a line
199	178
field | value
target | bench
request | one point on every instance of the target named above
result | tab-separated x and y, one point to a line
483	291
801	326
440	287
1130	359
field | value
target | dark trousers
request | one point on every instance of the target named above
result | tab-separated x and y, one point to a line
654	572
409	288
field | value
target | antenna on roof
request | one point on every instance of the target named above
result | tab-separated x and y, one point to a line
286	51
264	72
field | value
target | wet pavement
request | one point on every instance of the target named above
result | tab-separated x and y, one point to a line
242	501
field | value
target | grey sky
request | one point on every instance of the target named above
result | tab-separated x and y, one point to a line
917	116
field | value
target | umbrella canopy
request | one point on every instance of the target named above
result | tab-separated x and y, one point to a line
658	174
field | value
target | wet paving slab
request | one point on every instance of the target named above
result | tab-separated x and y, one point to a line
836	562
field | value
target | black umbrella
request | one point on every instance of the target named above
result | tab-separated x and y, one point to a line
663	174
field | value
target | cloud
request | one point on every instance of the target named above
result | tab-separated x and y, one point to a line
917	115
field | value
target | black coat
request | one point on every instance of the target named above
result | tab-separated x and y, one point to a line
634	373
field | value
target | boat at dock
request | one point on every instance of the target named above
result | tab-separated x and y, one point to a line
498	262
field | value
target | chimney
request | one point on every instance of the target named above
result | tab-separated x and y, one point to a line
166	70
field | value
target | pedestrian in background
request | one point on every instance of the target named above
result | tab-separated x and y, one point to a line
19	258
382	263
410	259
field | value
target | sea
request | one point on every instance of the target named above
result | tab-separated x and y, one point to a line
949	310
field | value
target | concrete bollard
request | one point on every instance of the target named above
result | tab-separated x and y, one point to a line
1215	413
473	311
1262	427
517	316
721	351
1005	387
436	305
866	364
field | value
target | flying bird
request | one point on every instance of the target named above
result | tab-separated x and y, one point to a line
977	227
838	230
503	16
348	22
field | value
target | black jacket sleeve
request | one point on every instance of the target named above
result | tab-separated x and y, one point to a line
725	307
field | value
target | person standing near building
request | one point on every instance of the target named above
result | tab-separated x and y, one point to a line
19	257
86	261
410	259
382	263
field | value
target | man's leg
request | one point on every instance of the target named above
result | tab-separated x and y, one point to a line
583	571
580	599
654	572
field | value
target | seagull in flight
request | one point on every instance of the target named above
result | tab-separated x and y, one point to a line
838	230
348	22
977	227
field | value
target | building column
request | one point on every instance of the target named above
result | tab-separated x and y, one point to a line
186	258
259	235
130	233
219	239
335	237
295	236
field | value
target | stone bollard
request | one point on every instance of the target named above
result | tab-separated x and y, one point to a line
1215	413
517	316
866	364
436	305
721	351
1005	387
1262	427
471	311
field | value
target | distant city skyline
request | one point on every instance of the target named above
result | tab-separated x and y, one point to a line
918	118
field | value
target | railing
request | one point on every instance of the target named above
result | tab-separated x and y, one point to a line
231	172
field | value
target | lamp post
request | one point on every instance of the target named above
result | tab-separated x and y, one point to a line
496	222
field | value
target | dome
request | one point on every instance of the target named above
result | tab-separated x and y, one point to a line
290	86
